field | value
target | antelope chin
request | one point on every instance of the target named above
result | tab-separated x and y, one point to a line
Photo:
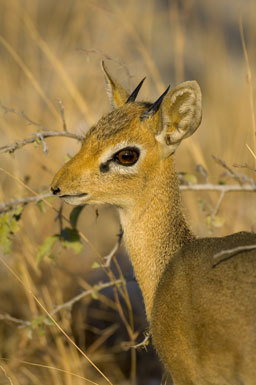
75	200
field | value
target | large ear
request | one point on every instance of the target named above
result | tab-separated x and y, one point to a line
181	115
117	94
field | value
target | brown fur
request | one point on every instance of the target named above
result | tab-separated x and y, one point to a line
202	310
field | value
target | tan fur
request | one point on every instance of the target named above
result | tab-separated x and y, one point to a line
202	310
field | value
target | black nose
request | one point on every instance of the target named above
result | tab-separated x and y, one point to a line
55	190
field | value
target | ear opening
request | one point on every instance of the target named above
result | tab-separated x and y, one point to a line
116	93
181	115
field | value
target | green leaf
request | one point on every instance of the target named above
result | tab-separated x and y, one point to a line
67	158
53	257
46	247
202	204
95	265
8	227
95	294
48	321
41	205
71	238
30	333
74	215
37	142
215	221
190	178
39	324
5	240
50	198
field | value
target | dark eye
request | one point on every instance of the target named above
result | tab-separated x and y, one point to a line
127	156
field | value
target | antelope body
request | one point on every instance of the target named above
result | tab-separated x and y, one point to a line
201	309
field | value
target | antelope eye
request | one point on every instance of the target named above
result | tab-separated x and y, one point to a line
127	156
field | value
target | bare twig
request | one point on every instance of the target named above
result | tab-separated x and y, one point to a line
217	207
41	135
218	187
143	343
6	206
126	345
65	305
244	166
85	293
240	178
234	250
8	317
109	257
201	170
23	115
62	113
108	332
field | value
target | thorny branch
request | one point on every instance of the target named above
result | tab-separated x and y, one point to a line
85	293
241	178
38	136
8	317
126	345
6	206
65	305
144	343
218	187
22	115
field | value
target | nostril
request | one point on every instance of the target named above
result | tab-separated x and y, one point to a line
55	190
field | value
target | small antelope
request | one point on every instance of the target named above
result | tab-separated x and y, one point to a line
201	309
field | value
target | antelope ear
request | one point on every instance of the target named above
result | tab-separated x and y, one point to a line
181	115
117	94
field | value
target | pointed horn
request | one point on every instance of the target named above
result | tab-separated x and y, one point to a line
134	94
154	107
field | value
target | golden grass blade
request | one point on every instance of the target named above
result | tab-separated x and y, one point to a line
30	76
53	368
153	70
249	77
8	377
251	151
28	290
55	62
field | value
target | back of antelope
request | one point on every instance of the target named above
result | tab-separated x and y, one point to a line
201	310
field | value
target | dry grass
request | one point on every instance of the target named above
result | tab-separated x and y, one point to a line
50	51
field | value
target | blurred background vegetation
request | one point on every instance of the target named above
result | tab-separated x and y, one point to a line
50	51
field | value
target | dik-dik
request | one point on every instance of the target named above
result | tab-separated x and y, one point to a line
201	310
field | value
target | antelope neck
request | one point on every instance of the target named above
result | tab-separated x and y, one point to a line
154	229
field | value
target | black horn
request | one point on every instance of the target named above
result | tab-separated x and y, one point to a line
134	94
154	107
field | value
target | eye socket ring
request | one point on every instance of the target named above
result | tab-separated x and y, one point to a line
127	156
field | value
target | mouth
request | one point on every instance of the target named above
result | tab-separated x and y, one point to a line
75	199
